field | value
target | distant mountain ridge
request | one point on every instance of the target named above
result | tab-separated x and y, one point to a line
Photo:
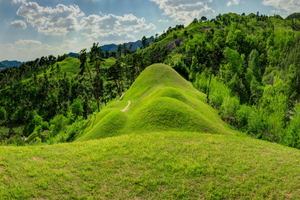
7	63
108	47
114	47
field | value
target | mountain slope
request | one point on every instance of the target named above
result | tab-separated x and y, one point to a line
159	100
4	64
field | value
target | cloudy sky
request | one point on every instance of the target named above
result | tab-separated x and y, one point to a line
33	28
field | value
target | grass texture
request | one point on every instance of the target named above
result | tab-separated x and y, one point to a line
159	100
165	165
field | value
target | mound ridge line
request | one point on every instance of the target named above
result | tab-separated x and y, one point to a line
159	100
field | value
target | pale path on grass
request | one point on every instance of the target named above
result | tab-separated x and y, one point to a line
126	108
121	97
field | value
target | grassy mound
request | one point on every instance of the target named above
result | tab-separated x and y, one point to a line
159	100
167	165
168	114
116	119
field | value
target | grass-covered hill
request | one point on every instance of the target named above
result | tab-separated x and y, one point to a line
162	165
159	141
247	64
159	100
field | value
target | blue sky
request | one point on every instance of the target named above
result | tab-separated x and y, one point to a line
31	29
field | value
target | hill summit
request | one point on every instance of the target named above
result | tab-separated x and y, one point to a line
159	100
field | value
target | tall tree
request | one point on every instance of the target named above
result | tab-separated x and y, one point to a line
254	64
144	42
95	58
83	58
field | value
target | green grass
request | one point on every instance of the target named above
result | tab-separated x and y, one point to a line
160	100
168	144
168	165
70	66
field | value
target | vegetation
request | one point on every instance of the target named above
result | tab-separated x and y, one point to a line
165	165
159	100
246	65
157	135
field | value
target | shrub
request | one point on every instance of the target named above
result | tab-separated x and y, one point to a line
256	124
229	108
242	117
57	124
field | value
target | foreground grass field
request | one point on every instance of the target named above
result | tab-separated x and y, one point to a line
165	165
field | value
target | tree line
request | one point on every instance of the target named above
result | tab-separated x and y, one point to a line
247	65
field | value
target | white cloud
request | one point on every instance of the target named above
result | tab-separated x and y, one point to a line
64	19
69	43
28	43
163	21
107	38
57	21
19	24
287	5
110	22
25	50
233	2
113	29
18	1
275	11
185	10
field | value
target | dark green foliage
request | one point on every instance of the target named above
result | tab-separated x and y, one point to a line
292	135
248	66
144	42
3	115
60	89
77	108
57	124
229	108
242	63
293	16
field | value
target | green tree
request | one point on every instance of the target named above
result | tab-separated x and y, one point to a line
256	91
115	74
274	104
3	115
83	58
58	123
119	51
77	108
234	63
229	109
144	42
203	18
254	64
292	134
95	58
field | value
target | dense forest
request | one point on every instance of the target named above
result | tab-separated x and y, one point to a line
247	65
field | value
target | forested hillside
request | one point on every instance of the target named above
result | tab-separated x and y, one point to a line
247	65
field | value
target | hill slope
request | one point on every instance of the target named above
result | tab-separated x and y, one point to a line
170	157
159	100
169	165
